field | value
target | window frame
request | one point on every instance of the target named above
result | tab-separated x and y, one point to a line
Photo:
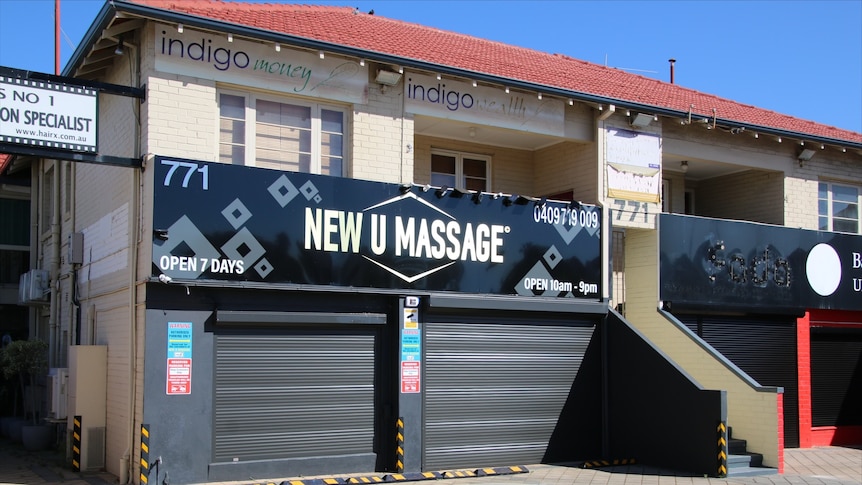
830	216
460	180
250	100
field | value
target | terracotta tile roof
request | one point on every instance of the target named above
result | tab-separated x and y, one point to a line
345	26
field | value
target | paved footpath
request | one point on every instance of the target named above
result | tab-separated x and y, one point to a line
814	466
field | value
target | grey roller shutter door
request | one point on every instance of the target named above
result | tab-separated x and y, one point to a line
294	394
836	377
494	392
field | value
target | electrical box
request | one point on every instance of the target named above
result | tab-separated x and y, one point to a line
58	378
34	288
76	248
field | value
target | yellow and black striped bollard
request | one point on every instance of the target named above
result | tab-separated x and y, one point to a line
76	443
145	453
399	446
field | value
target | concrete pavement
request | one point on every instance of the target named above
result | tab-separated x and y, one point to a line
813	466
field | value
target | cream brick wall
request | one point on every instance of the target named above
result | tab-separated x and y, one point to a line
181	112
752	414
104	212
568	166
800	207
182	117
756	196
511	169
380	137
102	196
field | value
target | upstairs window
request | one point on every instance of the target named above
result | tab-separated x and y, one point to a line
291	136
460	170
838	207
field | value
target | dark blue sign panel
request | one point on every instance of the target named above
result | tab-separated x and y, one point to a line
216	221
719	263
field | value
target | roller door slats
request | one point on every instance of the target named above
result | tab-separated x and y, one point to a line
836	377
502	454
271	434
318	444
272	393
294	394
329	419
470	408
482	433
494	392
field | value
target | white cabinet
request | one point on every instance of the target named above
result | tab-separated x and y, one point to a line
87	388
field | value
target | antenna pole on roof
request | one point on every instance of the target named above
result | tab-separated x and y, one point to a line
57	37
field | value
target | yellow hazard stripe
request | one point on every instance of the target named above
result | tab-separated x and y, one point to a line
406	477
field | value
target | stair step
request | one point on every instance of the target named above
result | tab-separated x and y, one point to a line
750	471
745	459
738	460
736	446
741	463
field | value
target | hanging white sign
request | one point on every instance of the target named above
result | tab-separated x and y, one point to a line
48	115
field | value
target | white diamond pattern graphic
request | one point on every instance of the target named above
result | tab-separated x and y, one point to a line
283	191
236	213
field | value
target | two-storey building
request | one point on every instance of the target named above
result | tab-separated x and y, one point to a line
345	243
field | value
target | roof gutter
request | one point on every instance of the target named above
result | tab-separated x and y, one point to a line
114	7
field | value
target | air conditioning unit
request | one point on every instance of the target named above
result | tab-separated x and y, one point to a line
58	378
34	288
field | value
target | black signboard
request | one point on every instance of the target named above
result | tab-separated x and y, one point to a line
216	221
721	264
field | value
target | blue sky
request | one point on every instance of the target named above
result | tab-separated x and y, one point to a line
796	57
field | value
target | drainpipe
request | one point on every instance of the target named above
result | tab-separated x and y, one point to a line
134	238
37	249
135	191
74	320
54	278
402	146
